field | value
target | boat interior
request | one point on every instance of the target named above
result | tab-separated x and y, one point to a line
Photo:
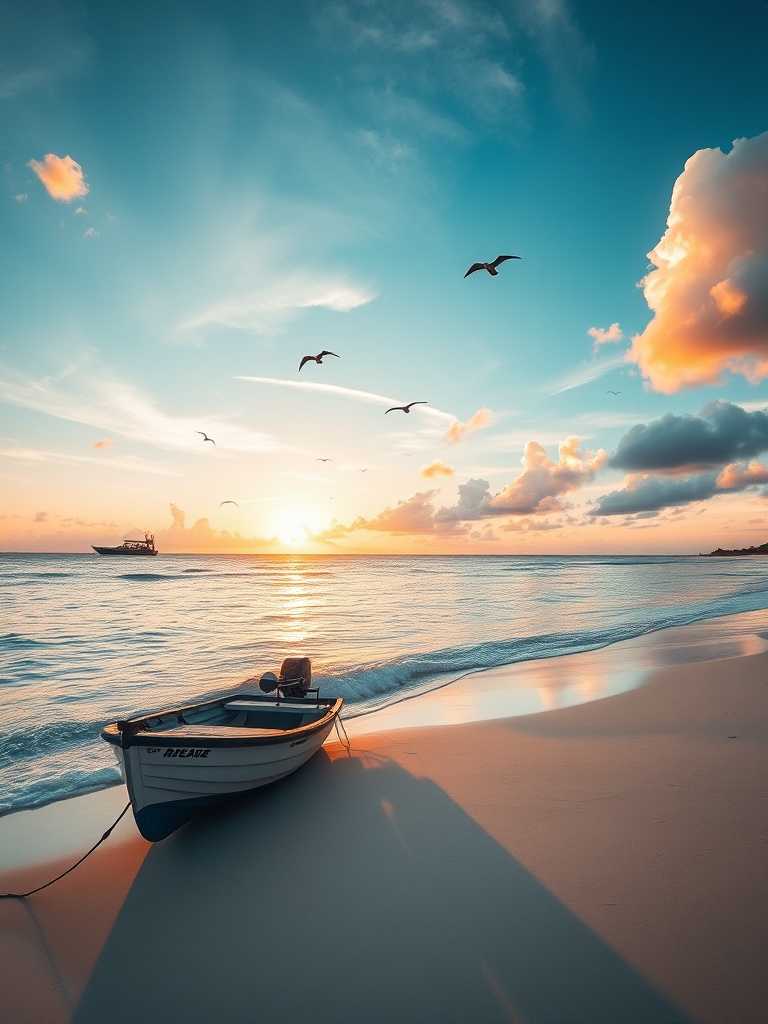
239	713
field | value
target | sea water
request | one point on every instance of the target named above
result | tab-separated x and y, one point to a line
86	639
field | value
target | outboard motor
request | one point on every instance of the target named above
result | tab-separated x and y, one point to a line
295	677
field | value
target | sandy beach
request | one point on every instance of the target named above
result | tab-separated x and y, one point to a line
601	863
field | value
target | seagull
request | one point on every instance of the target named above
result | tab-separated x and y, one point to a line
228	503
205	437
323	460
490	267
318	358
613	392
405	408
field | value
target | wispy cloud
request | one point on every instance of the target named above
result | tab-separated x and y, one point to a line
121	463
584	374
265	309
369	397
99	400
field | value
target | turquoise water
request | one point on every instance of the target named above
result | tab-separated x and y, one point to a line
87	639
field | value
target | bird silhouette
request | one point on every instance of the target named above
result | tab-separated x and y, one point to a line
229	503
490	267
205	437
323	460
405	408
318	358
613	392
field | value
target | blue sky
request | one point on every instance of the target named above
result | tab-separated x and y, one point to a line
198	195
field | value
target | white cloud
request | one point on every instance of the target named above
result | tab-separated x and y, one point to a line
369	397
101	401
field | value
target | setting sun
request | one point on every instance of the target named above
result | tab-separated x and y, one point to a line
292	535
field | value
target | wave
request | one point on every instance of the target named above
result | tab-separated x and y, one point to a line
19	642
47	739
386	682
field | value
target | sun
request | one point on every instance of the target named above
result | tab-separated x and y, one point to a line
292	535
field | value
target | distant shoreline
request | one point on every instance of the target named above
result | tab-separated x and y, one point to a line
761	550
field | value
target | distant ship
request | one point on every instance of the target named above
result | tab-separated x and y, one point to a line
130	547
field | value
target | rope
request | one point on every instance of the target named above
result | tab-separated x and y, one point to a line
339	722
23	895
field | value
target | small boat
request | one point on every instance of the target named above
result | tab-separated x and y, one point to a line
177	762
130	547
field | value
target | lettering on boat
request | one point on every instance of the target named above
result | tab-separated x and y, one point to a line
297	743
153	750
187	752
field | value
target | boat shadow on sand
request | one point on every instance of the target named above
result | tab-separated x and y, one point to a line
357	893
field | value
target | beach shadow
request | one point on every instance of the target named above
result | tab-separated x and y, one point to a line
356	893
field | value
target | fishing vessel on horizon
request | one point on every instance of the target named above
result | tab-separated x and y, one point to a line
130	547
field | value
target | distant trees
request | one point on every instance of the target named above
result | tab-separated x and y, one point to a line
761	550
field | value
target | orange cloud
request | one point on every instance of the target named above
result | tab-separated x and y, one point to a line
105	442
63	178
739	475
604	335
709	291
437	468
538	487
458	431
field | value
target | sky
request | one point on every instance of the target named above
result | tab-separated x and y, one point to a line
196	196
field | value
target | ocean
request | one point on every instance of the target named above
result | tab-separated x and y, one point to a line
87	639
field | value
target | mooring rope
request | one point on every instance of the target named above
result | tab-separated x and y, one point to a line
339	722
23	895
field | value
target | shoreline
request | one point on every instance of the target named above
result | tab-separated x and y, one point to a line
598	863
505	691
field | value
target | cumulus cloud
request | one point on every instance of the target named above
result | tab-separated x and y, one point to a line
604	335
539	487
105	442
437	468
22	197
458	431
91	233
678	460
739	475
722	432
709	289
202	537
644	493
473	503
416	515
62	177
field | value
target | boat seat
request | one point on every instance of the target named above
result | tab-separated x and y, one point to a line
196	732
249	705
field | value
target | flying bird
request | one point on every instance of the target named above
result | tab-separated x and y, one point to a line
405	408
229	503
490	267
318	358
613	392
323	460
205	437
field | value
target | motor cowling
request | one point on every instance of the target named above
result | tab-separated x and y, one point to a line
295	677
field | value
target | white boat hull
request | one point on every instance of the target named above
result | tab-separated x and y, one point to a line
173	773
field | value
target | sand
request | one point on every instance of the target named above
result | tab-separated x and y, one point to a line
604	863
